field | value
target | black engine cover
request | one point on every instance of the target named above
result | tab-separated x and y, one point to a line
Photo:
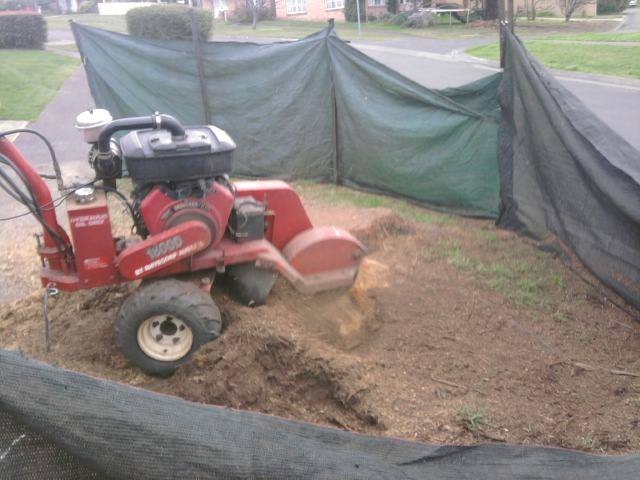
154	156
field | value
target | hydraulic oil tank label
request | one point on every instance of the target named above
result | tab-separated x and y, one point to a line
94	220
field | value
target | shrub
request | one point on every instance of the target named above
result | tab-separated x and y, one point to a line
384	17
167	22
11	5
48	6
88	6
611	6
398	19
371	18
22	30
351	12
420	20
245	15
392	6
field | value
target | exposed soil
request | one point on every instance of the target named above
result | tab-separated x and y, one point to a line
430	344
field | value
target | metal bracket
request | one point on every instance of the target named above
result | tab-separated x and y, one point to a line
50	291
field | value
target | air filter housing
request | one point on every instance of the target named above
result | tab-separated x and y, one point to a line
154	156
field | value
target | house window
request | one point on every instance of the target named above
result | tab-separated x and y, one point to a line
296	6
333	4
377	3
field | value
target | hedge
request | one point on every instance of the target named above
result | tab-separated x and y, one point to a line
168	22
244	15
611	6
22	30
88	6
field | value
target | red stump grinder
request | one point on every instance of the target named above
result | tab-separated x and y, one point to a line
192	224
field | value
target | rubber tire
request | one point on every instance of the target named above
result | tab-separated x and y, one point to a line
170	296
249	284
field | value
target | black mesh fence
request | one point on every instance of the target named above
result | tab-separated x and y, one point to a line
58	424
565	172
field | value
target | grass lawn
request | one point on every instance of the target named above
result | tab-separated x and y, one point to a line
349	31
598	37
618	60
71	47
115	23
28	81
292	29
289	29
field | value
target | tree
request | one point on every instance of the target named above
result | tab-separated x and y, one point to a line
254	13
568	7
392	6
531	7
490	9
351	11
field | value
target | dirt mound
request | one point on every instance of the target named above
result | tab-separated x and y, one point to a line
454	332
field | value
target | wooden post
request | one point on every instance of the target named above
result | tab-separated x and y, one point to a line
197	52
334	102
501	23
72	24
510	15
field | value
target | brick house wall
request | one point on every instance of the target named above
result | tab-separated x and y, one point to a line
323	10
588	10
318	10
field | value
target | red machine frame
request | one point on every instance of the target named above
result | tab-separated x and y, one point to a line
312	259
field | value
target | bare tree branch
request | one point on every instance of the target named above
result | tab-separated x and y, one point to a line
568	7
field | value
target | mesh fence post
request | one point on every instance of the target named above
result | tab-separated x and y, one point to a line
336	158
197	52
501	21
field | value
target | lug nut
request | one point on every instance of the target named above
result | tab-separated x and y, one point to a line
155	324
158	337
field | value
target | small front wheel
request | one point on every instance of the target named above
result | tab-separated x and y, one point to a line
163	323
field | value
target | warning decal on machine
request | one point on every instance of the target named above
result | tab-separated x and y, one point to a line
169	258
89	220
164	249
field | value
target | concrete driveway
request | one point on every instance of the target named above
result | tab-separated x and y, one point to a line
631	21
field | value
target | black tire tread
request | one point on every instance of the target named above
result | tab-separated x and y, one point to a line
203	317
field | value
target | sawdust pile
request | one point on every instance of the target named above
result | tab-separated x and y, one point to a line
414	349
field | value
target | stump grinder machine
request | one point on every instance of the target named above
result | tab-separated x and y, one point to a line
192	226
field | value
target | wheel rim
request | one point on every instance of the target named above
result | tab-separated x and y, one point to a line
165	338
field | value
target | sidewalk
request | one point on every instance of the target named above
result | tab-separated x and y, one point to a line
19	268
57	123
6	125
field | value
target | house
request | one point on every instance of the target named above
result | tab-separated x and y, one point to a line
322	10
326	9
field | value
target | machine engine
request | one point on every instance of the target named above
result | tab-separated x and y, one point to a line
177	178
